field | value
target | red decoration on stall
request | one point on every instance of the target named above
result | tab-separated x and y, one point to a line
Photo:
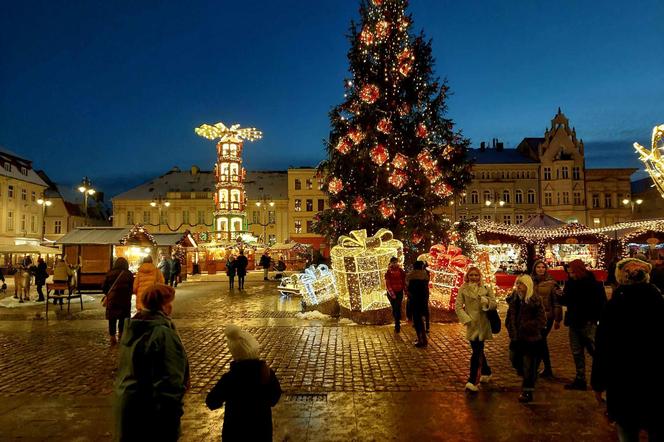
379	154
387	209
398	178
343	146
359	205
400	161
369	93
335	185
384	126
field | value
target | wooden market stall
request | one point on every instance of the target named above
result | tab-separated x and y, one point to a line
12	254
182	246
295	255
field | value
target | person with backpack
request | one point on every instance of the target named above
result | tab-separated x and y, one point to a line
395	282
473	300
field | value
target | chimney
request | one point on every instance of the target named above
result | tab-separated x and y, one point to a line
482	146
499	146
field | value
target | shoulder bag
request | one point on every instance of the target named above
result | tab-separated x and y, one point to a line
104	300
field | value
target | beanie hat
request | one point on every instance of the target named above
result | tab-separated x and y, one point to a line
632	271
578	267
241	343
157	296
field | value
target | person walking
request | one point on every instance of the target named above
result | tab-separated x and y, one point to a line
584	298
627	360
265	262
417	285
118	286
525	321
473	300
146	276
249	390
395	282
231	270
41	275
176	269
241	263
547	289
164	267
62	273
153	372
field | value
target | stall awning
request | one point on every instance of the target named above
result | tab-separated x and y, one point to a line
95	235
171	239
28	248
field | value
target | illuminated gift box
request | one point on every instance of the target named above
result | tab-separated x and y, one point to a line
447	267
317	285
359	264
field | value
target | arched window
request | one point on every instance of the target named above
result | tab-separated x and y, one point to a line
474	197
531	196
518	197
506	196
487	195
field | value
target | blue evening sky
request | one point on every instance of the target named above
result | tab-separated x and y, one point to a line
114	89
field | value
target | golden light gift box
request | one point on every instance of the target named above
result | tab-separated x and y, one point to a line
447	267
359	264
317	285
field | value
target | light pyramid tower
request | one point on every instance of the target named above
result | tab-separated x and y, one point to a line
229	198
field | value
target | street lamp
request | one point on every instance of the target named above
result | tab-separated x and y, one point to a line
264	203
632	203
44	203
160	204
86	189
500	203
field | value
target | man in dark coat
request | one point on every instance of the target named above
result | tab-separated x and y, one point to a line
265	263
584	297
627	357
41	274
417	286
176	269
241	263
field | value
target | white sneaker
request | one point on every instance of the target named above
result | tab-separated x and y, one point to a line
472	387
485	378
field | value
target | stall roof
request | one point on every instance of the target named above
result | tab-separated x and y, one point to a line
95	235
28	248
542	220
171	239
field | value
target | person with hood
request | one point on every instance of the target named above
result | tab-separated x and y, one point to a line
473	301
395	282
176	269
153	372
525	322
627	358
241	263
548	290
249	390
584	298
41	275
146	276
417	286
265	263
118	286
230	271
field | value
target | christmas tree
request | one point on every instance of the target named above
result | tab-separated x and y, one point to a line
393	157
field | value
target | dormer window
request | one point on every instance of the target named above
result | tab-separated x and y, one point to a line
8	167
24	170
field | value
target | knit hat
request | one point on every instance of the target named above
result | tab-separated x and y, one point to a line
157	296
632	271
578	267
241	343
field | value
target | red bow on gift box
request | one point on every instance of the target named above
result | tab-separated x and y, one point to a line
448	256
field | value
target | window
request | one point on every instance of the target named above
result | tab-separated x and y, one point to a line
298	184
506	196
201	217
23	222
463	199
24	195
164	217
310	184
486	217
576	173
310	226
487	195
518	197
8	167
33	224
271	217
130	217
146	217
310	205
298	205
547	174
548	198
57	226
474	197
24	171
254	217
33	197
185	217
565	197
607	200
10	220
507	219
10	191
519	219
595	200
298	226
462	217
531	196
565	171
321	205
577	198
597	221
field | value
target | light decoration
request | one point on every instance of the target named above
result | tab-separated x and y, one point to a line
379	154
137	234
405	60
422	131
377	2
403	23
398	178
339	205
653	158
652	229
343	146
316	285
228	134
369	93
416	237
387	209
447	267
366	36
448	151
442	189
400	161
404	109
426	161
335	185
359	205
384	126
383	29
359	264
482	260
356	135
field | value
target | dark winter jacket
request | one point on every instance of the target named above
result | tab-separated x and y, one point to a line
584	299
525	320
230	268
265	262
417	283
41	274
164	267
176	267
546	288
118	300
250	389
241	263
153	373
627	356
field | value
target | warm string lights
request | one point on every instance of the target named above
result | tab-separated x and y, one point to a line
447	267
316	285
653	159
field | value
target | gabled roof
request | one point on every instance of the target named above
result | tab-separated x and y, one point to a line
17	163
495	156
542	220
95	235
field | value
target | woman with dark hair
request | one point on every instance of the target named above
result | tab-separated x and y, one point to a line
117	287
41	274
548	290
417	285
153	372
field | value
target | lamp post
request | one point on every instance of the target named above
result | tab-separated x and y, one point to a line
500	203
44	203
632	203
86	189
264	204
160	204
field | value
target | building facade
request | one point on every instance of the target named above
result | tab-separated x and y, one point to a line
306	199
646	201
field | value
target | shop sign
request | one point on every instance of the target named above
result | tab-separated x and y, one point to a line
571	241
494	242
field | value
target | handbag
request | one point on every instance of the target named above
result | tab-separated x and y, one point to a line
104	300
494	320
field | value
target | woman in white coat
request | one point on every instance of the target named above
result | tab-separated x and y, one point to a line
473	301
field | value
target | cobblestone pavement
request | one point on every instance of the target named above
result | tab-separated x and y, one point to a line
341	381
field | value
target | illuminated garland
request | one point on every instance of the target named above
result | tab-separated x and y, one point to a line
135	232
653	159
625	240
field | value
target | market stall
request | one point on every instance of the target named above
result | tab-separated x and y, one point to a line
294	255
181	245
12	254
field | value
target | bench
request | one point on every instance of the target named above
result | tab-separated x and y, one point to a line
65	292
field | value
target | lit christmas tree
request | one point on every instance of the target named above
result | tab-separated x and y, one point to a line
393	157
